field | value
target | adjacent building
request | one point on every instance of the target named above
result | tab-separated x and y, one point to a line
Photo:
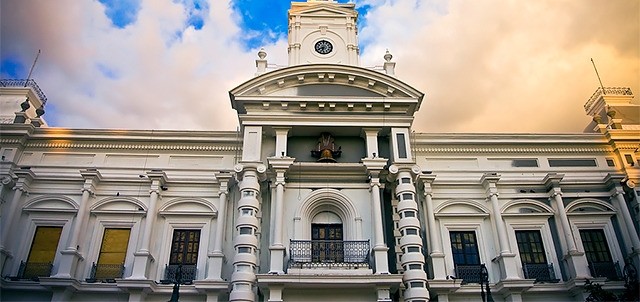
324	194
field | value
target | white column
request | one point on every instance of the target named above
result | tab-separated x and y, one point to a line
506	258
436	254
566	228
628	221
277	248
243	279
25	176
576	260
149	222
380	248
279	164
216	257
143	256
70	256
412	260
499	223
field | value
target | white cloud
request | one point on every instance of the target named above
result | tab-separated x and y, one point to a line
489	65
506	66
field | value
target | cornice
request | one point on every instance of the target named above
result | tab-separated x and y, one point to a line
130	146
497	149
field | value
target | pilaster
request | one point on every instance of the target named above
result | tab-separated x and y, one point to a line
435	241
279	165
216	257
576	260
143	256
506	258
375	166
71	255
24	179
614	182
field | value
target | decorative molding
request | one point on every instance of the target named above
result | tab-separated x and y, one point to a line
139	146
487	149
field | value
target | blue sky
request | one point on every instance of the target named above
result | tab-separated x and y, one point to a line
484	65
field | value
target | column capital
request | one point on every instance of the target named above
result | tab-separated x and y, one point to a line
490	181
91	174
552	180
24	175
374	165
280	162
396	168
249	166
224	178
7	180
554	193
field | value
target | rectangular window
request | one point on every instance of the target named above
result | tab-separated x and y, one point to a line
572	163
113	252
611	162
184	247
524	163
598	255
629	159
402	145
466	259
42	253
530	247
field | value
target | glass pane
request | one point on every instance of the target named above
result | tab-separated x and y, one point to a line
45	244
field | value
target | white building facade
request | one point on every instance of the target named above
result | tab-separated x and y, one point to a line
325	194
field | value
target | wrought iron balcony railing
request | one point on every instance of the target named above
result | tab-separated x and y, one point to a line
609	270
25	83
105	272
541	272
329	254
188	273
33	270
469	273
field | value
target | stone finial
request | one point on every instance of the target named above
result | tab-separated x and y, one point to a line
389	67
262	54
261	62
387	56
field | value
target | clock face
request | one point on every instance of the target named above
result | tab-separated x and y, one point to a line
323	47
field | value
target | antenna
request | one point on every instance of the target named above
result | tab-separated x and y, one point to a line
31	70
599	80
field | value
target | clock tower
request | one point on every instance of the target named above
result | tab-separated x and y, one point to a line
323	31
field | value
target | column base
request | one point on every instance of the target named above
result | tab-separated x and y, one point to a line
68	264
577	265
214	271
381	260
140	264
438	265
4	256
277	259
508	268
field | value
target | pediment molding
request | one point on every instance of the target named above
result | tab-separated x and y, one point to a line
387	89
321	10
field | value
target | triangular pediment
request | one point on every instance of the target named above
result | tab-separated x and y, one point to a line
320	10
316	80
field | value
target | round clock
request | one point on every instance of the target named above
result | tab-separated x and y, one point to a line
323	47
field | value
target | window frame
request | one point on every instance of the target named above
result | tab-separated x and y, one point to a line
187	242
